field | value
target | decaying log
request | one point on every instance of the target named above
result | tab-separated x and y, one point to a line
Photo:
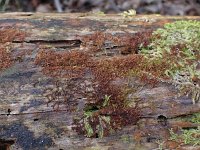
29	119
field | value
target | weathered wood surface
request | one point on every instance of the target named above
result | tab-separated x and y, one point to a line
24	114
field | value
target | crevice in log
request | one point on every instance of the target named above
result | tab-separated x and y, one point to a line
37	112
141	117
54	43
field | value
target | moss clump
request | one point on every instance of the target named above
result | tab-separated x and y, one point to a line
178	45
63	65
129	44
178	33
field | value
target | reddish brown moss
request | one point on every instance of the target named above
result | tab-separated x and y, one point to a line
105	71
94	41
5	58
64	65
7	36
129	43
109	69
132	43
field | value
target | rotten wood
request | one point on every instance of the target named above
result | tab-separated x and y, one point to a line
25	118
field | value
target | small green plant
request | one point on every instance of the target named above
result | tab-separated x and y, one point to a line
96	124
129	13
87	126
196	118
173	136
190	137
106	100
160	144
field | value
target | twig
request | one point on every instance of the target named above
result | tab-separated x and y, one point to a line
58	6
3	4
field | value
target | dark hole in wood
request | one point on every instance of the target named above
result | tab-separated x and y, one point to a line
92	108
26	14
9	111
5	144
189	128
151	139
162	120
96	135
36	119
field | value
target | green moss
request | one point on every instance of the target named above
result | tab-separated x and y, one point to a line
188	137
196	118
179	32
178	45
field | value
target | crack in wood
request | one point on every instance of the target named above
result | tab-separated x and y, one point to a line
37	112
56	43
66	110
